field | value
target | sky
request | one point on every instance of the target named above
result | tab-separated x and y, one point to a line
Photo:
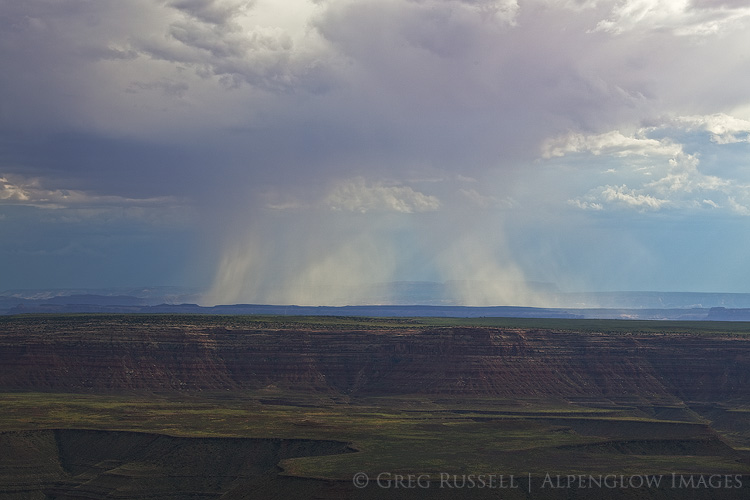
293	151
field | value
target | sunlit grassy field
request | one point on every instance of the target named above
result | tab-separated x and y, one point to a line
406	434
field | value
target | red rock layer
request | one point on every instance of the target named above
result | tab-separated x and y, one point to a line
155	355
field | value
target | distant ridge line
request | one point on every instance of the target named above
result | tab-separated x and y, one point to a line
293	310
682	306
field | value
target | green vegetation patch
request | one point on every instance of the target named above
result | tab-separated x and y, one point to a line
405	435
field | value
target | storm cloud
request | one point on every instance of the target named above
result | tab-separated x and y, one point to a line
285	151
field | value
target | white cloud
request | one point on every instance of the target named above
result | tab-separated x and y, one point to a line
486	201
670	177
609	143
683	176
681	17
11	192
586	205
724	129
17	190
618	197
359	195
739	208
631	198
711	203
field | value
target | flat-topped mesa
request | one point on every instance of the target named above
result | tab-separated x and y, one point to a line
78	354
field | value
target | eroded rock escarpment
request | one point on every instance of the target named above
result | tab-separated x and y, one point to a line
156	353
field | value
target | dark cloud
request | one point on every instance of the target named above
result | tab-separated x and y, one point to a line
275	120
168	88
214	43
217	12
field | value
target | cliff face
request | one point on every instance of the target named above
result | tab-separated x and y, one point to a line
107	355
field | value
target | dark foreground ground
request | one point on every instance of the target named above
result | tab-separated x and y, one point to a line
163	406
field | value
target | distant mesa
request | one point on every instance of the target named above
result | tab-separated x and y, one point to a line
396	299
724	314
117	353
